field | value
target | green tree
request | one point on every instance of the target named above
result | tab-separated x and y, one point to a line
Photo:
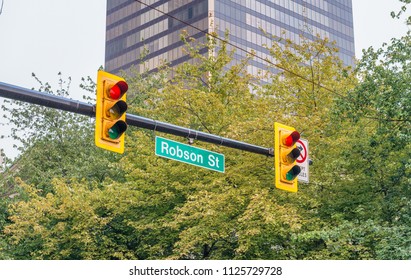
398	14
365	207
379	108
241	215
56	143
355	207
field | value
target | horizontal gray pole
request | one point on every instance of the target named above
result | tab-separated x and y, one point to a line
195	134
74	106
45	99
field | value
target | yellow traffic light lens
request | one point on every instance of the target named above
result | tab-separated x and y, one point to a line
117	110
292	156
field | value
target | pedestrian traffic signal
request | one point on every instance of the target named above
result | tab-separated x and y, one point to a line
285	155
111	107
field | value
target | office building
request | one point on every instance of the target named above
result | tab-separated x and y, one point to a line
133	28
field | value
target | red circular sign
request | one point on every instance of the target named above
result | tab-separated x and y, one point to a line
303	155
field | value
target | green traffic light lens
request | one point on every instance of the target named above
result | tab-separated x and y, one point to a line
289	176
113	132
117	130
293	172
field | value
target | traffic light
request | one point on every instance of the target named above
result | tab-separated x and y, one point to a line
285	155
110	112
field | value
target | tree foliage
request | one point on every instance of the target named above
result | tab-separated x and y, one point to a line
398	14
79	202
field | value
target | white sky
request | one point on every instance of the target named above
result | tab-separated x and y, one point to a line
49	36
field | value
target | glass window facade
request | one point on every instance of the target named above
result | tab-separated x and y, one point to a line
133	28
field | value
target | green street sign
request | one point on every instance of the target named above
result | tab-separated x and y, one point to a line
188	154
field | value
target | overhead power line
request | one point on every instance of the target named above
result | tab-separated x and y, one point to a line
237	47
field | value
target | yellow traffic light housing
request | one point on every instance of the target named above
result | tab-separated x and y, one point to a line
111	110
285	155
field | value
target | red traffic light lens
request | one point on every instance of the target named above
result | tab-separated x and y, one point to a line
292	138
118	90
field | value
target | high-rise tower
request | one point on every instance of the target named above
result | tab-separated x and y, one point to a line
133	28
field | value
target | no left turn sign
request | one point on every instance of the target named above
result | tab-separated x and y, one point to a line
302	160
